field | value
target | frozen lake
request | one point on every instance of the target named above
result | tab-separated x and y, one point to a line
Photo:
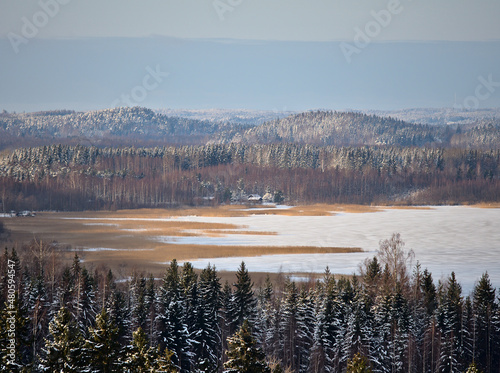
462	239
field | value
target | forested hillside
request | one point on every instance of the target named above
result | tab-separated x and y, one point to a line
391	317
78	177
310	157
144	127
334	128
112	126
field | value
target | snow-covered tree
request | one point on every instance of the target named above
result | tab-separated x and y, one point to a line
243	354
173	332
140	356
243	305
102	348
207	327
64	346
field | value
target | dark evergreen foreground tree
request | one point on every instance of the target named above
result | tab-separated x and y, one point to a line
102	347
244	356
64	346
358	364
173	331
244	303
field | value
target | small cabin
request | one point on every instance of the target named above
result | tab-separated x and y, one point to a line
254	198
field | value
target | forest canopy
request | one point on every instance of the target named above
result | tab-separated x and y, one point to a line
392	316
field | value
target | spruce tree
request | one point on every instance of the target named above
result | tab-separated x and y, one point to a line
102	348
192	314
64	346
139	314
243	354
358	364
450	322
484	306
140	357
174	333
208	330
14	326
226	315
244	302
119	314
305	329
288	326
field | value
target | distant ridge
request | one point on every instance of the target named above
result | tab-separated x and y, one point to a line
141	126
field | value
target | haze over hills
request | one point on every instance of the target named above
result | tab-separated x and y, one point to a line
441	116
237	116
144	127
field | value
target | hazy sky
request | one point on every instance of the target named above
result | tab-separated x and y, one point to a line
305	20
288	54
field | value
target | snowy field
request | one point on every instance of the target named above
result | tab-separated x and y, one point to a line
465	240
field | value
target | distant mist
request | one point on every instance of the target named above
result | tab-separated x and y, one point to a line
159	72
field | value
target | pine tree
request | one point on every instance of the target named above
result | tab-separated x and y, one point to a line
372	275
400	320
381	343
359	328
84	307
243	354
140	357
35	301
150	302
102	348
429	292
164	363
358	364
64	347
472	369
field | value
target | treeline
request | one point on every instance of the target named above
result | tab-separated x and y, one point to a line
393	317
62	177
111	126
143	127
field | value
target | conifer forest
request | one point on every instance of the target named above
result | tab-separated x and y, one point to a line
388	317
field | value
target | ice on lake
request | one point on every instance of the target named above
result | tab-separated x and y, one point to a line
462	239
